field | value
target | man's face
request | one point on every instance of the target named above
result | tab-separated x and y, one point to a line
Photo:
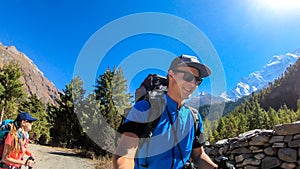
185	81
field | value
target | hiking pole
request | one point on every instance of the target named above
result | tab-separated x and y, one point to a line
29	158
223	164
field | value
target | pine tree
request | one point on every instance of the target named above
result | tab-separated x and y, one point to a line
111	94
110	90
207	124
215	136
284	115
243	124
66	126
298	110
11	90
274	120
265	123
221	131
37	109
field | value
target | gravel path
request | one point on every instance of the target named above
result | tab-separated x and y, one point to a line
54	158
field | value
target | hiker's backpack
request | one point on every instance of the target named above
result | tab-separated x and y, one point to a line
4	130
153	89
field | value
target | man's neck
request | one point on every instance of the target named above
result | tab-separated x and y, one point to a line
177	99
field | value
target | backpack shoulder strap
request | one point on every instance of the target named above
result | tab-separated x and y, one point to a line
196	118
198	136
156	108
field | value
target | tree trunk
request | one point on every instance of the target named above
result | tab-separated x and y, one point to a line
2	113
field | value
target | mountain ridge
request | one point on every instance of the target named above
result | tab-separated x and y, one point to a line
258	80
284	91
33	79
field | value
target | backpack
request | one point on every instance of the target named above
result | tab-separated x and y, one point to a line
4	130
152	89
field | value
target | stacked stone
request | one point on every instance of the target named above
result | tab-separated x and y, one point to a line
278	148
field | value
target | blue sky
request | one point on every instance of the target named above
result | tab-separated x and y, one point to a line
244	33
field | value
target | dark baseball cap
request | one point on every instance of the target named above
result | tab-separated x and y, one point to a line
25	116
191	61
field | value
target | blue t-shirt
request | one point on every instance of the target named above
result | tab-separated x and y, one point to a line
174	126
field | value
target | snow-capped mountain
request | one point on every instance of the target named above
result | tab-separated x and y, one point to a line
260	79
203	98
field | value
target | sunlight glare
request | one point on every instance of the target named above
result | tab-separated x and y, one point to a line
279	5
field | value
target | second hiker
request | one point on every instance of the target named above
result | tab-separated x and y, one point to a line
16	143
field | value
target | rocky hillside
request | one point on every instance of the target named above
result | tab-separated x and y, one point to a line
33	79
285	91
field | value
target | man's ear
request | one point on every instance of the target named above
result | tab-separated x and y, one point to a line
171	76
171	73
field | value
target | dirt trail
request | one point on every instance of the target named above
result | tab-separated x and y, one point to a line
54	158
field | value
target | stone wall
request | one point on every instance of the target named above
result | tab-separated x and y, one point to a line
277	148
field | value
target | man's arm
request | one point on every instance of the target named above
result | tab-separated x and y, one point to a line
201	159
123	158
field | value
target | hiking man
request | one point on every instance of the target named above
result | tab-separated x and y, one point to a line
174	142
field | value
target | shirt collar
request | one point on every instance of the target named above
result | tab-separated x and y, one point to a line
171	104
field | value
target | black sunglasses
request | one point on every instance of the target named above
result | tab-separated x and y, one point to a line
29	121
187	76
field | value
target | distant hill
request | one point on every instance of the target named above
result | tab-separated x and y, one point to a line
285	90
219	109
204	98
33	79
